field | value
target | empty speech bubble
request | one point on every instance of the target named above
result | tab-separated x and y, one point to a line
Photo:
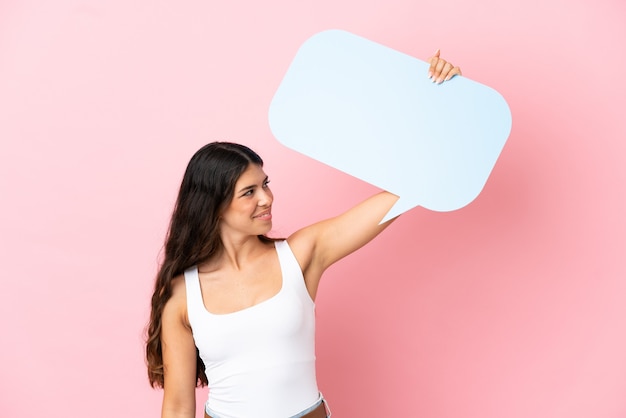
372	112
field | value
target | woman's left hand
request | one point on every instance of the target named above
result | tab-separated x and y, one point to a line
441	70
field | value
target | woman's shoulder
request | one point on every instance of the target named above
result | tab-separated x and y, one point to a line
177	303
178	286
301	244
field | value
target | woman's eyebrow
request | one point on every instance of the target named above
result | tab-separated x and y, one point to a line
252	186
247	188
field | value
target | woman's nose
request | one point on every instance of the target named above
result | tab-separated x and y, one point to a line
265	198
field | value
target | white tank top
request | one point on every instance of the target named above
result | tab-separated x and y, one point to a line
260	361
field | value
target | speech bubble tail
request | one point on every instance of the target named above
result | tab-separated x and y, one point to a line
401	206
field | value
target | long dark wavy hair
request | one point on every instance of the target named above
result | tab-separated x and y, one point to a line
193	235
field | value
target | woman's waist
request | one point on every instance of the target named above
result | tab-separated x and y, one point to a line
276	394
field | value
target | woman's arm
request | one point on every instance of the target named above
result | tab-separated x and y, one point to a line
179	357
320	245
332	239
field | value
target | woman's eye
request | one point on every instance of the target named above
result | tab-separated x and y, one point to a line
267	182
248	193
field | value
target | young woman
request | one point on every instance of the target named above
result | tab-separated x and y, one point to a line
233	308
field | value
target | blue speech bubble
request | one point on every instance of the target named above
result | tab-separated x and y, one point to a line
372	112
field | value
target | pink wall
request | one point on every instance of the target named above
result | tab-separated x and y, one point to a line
512	307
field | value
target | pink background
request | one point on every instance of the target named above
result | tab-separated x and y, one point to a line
514	306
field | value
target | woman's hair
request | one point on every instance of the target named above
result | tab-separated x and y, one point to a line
193	235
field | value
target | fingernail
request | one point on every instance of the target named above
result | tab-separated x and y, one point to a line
430	74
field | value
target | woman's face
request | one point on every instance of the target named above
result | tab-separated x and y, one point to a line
250	211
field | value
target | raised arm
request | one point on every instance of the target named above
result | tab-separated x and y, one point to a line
179	358
320	245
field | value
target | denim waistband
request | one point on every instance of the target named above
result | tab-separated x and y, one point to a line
213	414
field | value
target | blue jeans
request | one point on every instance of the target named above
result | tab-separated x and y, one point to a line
306	411
211	414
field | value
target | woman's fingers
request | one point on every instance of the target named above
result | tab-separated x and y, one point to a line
441	70
433	63
454	71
